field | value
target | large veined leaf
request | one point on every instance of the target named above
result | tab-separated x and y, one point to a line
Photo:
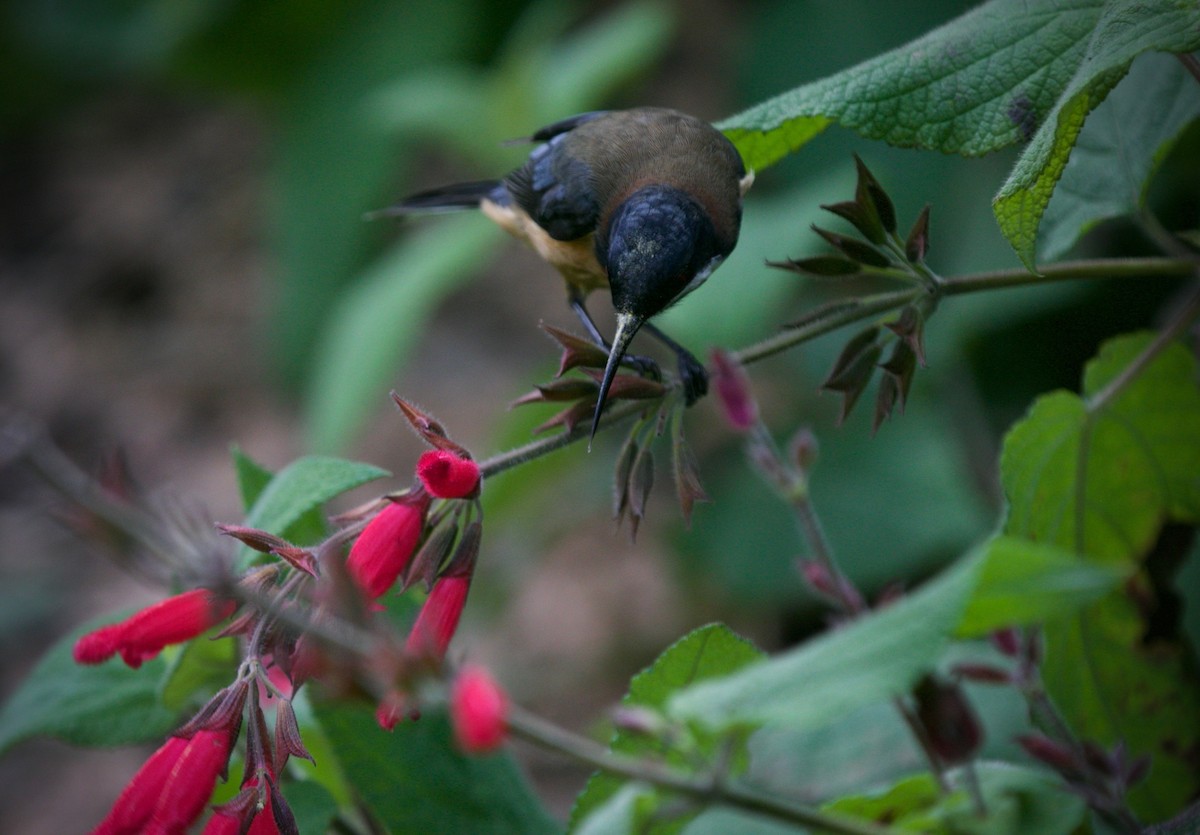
1009	71
1119	149
1099	475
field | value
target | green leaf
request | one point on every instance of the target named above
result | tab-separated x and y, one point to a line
1118	151
1099	476
971	86
252	477
106	704
1017	800
1006	72
377	321
870	659
1026	582
304	486
1123	30
1005	582
1161	411
708	652
1099	480
415	780
905	806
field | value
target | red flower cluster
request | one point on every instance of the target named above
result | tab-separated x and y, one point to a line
143	635
172	787
170	791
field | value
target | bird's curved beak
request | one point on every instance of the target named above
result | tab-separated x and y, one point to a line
627	327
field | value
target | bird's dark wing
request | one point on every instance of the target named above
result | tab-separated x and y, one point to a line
564	125
556	188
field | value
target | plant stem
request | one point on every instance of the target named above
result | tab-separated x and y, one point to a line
856	310
706	789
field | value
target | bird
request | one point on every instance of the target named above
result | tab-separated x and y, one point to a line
644	202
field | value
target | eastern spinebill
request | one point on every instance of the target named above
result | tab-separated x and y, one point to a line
645	202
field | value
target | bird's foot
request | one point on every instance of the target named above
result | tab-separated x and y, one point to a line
642	365
693	377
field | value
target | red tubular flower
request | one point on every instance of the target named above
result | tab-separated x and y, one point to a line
171	789
143	635
448	476
478	711
438	618
387	543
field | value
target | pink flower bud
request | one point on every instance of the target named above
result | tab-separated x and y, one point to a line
143	635
387	543
172	788
478	711
438	619
448	476
733	391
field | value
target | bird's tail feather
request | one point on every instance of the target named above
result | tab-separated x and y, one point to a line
453	198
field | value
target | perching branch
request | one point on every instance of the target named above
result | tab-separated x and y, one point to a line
848	312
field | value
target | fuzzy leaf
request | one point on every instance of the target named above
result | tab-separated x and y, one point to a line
1123	30
1006	72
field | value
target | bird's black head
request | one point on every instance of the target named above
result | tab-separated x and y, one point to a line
659	244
